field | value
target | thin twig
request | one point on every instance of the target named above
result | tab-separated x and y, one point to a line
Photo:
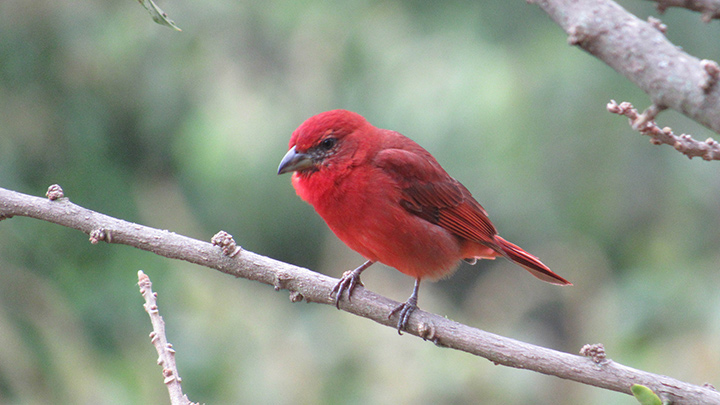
708	9
166	353
315	287
645	124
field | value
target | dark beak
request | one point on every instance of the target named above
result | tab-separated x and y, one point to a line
294	161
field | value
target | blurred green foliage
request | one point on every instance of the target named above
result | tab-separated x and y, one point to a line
184	131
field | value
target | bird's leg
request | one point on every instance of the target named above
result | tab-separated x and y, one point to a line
349	280
405	309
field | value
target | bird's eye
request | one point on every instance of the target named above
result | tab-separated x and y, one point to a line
328	143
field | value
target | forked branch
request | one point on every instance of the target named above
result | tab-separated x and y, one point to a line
640	51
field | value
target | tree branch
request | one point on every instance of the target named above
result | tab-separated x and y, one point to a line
314	287
709	9
645	124
640	51
166	353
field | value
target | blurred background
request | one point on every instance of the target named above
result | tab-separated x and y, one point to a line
184	131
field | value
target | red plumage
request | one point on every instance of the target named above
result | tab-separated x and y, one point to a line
389	199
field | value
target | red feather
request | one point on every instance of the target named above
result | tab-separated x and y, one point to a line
389	199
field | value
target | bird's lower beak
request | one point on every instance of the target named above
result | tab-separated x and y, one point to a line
294	161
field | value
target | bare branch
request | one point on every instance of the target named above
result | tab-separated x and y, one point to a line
315	287
639	51
166	353
709	9
645	124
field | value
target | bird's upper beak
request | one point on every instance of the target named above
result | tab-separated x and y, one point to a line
294	161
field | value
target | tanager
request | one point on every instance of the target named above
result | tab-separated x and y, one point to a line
388	199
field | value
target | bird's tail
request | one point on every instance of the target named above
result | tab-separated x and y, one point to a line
529	262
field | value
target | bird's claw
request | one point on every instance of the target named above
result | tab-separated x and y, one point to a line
404	311
350	279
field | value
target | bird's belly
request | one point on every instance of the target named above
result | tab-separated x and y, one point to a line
404	241
365	212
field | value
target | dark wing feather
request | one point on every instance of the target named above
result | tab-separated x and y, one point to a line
430	193
450	205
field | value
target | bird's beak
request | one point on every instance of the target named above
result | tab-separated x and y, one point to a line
294	161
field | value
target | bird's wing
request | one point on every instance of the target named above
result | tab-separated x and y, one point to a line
450	205
430	193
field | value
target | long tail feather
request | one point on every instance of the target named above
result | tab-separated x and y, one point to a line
529	262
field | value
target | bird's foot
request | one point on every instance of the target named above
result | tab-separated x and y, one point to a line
404	311
350	279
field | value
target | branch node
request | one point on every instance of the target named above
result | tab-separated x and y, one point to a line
613	107
427	332
54	192
143	281
707	16
227	243
296	296
577	35
281	280
620	109
712	73
100	234
645	120
657	24
169	376
596	352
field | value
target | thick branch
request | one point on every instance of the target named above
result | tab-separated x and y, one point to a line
315	287
639	51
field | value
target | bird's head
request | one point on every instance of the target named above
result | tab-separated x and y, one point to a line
322	140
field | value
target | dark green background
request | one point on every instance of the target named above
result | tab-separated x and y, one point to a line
184	131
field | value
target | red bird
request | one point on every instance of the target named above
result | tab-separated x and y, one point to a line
388	199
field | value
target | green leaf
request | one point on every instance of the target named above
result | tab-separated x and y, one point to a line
158	15
644	395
